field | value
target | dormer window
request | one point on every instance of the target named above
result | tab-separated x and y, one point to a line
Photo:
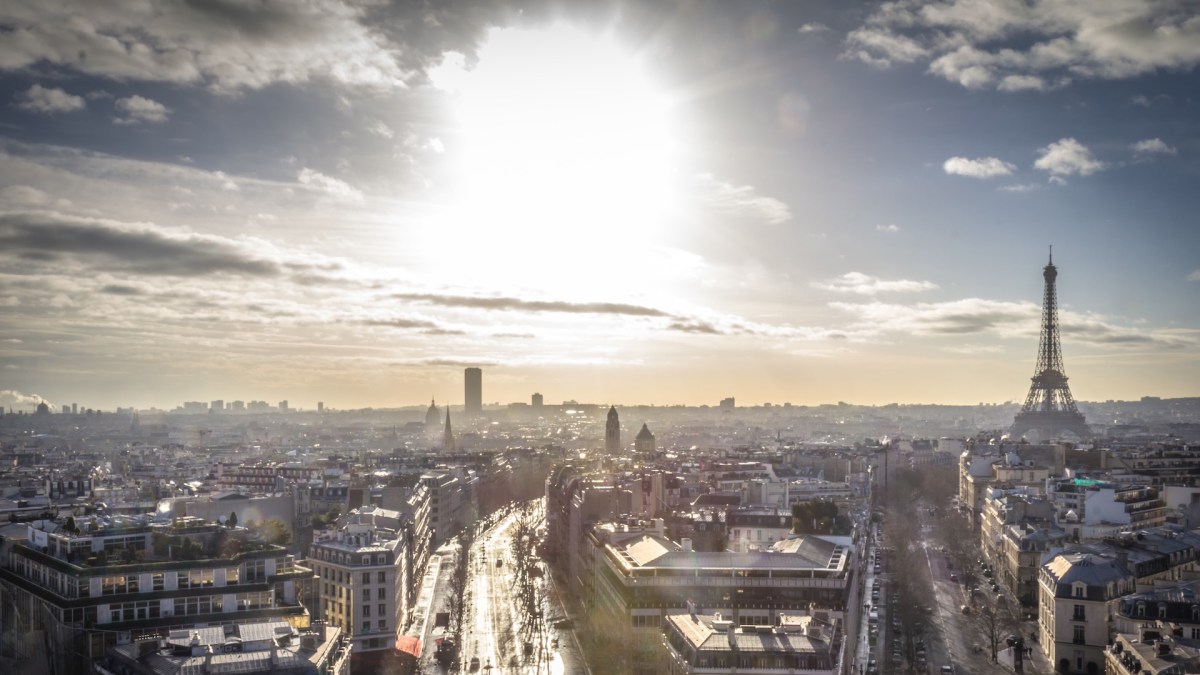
1162	610
1141	609
1196	613
1077	591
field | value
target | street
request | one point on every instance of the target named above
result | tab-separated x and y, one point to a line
495	637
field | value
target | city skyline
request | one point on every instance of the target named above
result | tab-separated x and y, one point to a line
780	203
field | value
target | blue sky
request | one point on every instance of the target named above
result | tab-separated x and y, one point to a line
637	202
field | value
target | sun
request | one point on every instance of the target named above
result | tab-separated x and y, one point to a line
565	154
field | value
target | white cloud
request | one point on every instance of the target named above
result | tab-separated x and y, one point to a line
882	48
984	167
864	284
1152	146
1067	157
1019	187
1194	276
136	109
225	46
1023	46
329	185
743	200
48	100
1022	83
890	227
1141	100
380	129
812	28
22	195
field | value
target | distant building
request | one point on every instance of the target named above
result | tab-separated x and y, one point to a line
644	443
433	416
448	436
612	432
756	529
537	401
283	406
727	403
320	406
473	382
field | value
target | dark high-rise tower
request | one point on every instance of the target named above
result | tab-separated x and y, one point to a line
612	432
1049	408
474	392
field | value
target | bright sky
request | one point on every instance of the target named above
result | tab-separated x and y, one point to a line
653	202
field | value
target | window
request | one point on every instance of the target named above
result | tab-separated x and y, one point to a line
1079	614
157	581
1078	591
1196	633
231	576
1078	637
366	627
382	623
366	560
366	577
381	559
382	577
256	571
366	610
382	610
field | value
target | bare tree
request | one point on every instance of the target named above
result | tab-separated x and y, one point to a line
998	619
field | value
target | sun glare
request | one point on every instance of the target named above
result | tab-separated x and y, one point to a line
566	154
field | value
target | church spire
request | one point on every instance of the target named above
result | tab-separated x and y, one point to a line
448	436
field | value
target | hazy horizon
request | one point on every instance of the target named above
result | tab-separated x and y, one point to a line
671	203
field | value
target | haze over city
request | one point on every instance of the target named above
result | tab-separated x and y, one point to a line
648	203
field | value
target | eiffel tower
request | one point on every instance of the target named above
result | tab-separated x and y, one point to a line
1049	408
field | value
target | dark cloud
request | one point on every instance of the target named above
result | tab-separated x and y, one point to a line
507	303
139	249
700	327
451	363
121	289
407	324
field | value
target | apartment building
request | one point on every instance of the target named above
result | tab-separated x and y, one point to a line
1078	597
361	583
88	588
